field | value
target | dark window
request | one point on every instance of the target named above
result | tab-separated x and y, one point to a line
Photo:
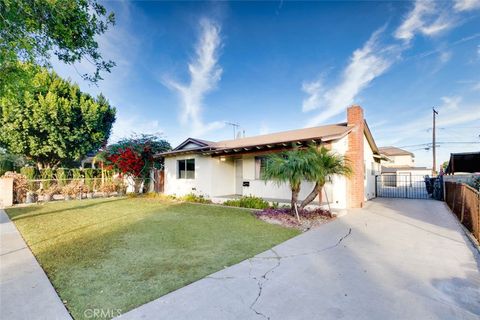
260	165
186	169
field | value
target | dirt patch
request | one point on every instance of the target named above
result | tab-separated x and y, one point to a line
308	218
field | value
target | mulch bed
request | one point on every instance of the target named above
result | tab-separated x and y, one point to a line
308	218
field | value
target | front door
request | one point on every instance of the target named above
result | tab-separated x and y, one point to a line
239	176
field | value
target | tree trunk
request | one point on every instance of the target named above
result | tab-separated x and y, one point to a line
295	193
311	196
316	191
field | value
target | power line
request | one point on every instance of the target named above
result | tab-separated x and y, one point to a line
437	142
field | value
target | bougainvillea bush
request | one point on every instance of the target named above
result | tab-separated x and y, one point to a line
135	156
309	218
127	161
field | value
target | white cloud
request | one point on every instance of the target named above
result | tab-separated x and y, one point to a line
205	72
425	18
314	90
127	125
476	87
445	56
452	112
366	64
466	5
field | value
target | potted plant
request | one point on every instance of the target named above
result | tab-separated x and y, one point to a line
48	194
108	187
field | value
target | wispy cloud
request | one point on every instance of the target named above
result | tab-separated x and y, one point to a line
425	18
128	124
205	73
466	5
366	64
453	111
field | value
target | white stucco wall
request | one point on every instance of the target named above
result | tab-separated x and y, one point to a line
214	177
401	160
201	184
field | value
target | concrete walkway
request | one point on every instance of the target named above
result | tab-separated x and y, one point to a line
25	291
395	259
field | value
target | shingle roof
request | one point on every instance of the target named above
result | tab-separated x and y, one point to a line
394	151
321	133
326	133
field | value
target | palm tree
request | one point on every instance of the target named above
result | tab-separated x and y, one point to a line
323	165
288	167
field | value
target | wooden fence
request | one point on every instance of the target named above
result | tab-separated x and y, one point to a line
465	203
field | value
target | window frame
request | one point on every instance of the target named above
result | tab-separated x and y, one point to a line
260	162
189	173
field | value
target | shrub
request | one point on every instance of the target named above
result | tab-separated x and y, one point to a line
108	187
77	174
30	173
47	175
475	183
5	166
74	188
159	196
248	202
191	197
89	178
61	174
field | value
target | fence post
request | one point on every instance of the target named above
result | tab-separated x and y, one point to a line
462	196
478	217
454	194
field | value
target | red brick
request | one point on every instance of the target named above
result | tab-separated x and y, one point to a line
355	153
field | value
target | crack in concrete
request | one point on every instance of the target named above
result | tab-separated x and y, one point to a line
323	249
262	281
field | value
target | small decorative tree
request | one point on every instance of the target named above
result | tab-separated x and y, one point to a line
322	166
288	167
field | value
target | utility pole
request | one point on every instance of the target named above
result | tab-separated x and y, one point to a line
434	147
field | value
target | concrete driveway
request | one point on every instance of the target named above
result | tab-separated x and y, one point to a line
394	259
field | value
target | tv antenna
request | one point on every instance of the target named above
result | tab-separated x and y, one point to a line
235	127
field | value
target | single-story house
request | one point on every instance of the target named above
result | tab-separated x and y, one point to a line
232	168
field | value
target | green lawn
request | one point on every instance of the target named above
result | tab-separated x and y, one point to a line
120	253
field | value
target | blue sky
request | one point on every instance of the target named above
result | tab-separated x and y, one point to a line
184	69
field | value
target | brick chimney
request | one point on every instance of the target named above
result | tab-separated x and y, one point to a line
356	184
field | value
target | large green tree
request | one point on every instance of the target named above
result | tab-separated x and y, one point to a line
31	30
51	120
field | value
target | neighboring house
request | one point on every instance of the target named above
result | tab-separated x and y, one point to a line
400	164
465	162
231	168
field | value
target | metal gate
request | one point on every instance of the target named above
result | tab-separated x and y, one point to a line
404	186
